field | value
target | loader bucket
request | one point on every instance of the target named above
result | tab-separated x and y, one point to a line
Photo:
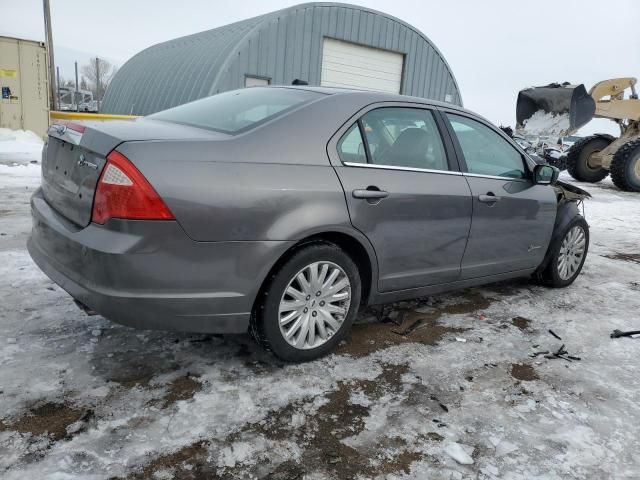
570	101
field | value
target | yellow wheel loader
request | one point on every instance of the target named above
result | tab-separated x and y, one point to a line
561	109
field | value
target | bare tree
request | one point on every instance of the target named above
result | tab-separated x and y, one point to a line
99	73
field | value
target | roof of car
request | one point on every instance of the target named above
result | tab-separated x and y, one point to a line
374	96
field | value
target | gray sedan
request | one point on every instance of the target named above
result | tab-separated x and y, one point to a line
282	210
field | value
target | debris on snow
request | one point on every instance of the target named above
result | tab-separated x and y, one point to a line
554	334
459	453
618	333
541	352
563	354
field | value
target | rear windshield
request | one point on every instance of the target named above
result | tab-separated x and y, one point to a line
238	110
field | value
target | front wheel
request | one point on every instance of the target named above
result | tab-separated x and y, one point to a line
568	253
309	304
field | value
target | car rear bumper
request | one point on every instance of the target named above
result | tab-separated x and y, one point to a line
150	274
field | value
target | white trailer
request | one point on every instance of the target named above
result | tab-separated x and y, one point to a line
24	84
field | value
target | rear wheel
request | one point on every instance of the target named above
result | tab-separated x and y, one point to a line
568	253
580	162
309	304
625	167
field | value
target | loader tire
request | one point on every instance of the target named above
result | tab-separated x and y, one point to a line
578	158
625	167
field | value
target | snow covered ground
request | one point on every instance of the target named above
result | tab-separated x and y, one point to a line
442	388
19	147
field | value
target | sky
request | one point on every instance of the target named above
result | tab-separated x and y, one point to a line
494	47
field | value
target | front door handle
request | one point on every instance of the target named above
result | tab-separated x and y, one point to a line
370	193
489	198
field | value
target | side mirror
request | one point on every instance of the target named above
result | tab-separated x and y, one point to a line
545	175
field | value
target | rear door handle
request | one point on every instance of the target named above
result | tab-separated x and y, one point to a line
370	194
489	198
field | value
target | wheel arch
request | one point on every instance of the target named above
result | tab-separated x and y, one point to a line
356	245
567	211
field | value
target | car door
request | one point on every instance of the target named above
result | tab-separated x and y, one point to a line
405	193
513	218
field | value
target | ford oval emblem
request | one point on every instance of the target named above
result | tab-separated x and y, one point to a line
59	128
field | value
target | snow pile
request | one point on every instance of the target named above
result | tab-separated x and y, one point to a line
547	124
19	147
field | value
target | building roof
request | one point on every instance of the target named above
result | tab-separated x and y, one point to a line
195	66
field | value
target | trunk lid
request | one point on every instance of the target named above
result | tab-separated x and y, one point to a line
76	153
70	172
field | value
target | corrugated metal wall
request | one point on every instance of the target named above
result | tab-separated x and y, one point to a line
282	46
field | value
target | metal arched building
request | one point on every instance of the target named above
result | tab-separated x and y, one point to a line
329	44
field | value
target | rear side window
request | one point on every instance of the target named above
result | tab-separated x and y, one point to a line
238	110
351	147
485	151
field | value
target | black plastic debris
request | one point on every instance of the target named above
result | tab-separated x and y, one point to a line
554	334
617	333
563	354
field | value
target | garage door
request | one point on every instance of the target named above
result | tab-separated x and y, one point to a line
349	65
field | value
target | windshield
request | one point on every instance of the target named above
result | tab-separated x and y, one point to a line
238	110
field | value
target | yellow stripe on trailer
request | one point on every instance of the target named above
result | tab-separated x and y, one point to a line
54	115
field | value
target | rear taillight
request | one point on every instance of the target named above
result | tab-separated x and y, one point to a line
123	192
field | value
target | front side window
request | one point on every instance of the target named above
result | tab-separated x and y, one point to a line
485	151
238	110
404	137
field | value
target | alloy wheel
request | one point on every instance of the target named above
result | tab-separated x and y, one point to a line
571	252
314	305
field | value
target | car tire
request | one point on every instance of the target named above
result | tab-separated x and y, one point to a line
578	158
271	324
625	167
564	265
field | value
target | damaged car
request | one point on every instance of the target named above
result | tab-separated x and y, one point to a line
280	211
